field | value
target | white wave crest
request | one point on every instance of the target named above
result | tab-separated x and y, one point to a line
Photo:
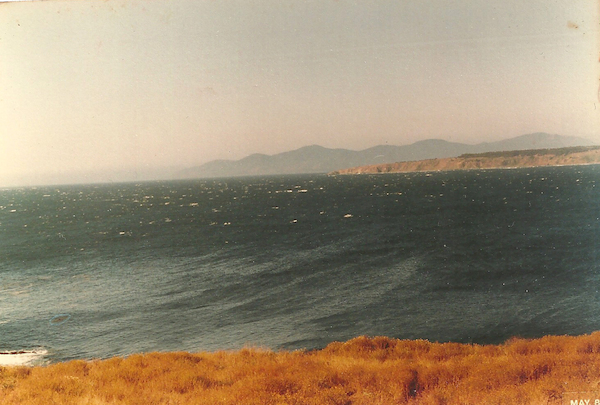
22	357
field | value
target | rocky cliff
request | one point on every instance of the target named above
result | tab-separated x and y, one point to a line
490	160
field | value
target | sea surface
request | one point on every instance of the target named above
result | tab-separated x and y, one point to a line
296	262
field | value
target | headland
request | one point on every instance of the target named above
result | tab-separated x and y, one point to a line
578	155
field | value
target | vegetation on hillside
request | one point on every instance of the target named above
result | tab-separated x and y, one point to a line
578	155
531	152
361	371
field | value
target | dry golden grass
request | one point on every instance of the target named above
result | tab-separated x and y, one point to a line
364	370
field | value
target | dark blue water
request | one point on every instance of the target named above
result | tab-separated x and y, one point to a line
299	261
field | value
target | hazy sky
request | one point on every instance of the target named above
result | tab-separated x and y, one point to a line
96	86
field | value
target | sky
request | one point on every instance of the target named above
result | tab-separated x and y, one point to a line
112	90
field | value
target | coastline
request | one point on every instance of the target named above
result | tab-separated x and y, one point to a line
575	156
379	370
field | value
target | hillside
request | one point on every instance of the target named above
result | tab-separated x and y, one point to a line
363	371
490	160
318	159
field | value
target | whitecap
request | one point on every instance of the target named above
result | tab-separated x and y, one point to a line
22	357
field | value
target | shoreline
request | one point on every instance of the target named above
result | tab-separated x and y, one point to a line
339	173
363	370
492	161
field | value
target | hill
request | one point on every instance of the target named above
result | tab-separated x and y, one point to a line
490	160
317	159
363	371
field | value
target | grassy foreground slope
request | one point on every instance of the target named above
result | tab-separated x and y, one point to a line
361	371
578	155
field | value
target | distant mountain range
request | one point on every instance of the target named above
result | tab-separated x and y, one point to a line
317	159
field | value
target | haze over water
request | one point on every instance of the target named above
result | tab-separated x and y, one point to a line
130	90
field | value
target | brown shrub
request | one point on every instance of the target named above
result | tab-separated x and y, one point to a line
361	371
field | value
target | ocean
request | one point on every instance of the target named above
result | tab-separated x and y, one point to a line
296	262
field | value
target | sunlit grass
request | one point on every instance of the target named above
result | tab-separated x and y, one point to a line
361	371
